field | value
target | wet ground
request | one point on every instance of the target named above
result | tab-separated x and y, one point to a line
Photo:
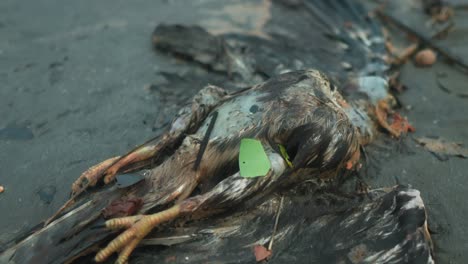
74	90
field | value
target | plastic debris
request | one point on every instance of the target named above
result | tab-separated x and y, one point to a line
253	161
285	155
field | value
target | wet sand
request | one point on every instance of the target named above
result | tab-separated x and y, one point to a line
74	78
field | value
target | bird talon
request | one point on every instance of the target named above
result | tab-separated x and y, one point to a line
138	227
91	176
110	174
126	251
122	222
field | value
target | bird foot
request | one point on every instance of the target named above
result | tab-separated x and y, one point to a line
91	176
108	169
138	227
87	179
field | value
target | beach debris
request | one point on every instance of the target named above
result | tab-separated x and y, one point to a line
442	148
275	227
253	160
424	38
440	11
285	155
425	58
261	253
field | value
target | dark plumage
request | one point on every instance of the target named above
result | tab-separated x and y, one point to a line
298	110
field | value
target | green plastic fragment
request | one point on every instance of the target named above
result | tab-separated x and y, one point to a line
253	160
285	155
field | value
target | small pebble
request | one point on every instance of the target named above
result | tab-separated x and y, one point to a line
2	188
425	58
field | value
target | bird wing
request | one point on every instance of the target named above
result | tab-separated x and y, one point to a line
389	226
337	37
340	38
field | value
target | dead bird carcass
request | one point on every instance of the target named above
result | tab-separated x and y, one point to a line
193	170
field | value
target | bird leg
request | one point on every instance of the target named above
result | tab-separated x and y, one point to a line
187	120
92	175
138	227
152	152
230	191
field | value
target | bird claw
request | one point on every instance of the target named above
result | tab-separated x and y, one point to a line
138	227
125	243
91	176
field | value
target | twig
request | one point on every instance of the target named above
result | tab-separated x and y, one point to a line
278	212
